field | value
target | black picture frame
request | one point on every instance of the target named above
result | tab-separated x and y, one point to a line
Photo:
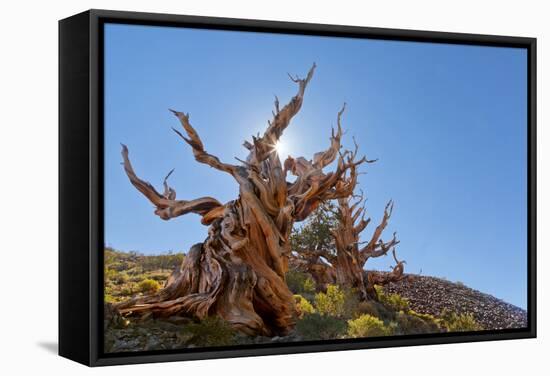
81	185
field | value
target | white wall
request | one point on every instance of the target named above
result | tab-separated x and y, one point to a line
28	188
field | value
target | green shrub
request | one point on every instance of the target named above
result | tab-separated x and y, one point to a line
337	302
300	283
367	326
320	327
309	285
129	289
295	281
303	306
397	303
119	266
351	303
414	324
108	289
368	307
393	328
375	309
136	275
332	302
109	274
159	277
149	286
433	323
209	332
392	301
459	323
120	278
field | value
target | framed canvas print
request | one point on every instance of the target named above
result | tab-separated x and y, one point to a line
240	187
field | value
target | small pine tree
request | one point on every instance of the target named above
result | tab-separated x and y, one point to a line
316	232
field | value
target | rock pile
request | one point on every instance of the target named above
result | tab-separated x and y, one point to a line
434	295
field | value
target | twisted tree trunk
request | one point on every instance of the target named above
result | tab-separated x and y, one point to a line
238	272
351	258
343	262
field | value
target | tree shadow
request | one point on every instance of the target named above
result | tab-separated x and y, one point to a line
51	347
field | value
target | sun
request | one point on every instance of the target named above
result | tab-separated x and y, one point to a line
281	148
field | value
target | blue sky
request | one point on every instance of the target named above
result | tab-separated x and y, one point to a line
447	122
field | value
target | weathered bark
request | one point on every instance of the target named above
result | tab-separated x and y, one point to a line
311	263
377	278
343	261
238	272
349	262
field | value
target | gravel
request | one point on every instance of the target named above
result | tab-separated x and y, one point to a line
434	295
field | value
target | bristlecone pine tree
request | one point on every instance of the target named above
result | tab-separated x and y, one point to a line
238	272
343	260
352	255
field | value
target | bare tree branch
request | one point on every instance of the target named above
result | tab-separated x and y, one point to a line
198	148
323	159
381	279
376	247
166	205
264	146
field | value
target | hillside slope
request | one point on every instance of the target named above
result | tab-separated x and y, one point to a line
416	305
434	295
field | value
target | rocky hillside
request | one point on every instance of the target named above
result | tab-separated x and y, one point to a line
416	305
434	295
